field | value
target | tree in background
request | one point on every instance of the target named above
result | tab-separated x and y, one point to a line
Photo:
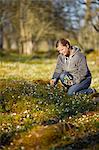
9	23
24	23
88	33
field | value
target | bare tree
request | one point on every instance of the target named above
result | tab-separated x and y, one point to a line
92	12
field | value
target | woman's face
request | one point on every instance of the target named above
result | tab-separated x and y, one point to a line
63	49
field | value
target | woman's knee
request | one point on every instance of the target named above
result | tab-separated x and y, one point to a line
71	91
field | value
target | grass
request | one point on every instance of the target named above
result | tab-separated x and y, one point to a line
31	110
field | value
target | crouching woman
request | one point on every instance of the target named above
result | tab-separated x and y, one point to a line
72	69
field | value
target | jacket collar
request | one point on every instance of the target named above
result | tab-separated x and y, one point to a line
75	49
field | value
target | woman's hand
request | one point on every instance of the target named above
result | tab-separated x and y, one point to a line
52	82
70	82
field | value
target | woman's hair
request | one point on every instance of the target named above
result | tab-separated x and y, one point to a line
63	42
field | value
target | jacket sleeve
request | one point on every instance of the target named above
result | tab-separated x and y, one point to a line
82	69
58	68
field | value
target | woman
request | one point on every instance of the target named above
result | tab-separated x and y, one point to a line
72	69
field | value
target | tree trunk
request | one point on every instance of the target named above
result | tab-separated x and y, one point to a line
25	37
1	37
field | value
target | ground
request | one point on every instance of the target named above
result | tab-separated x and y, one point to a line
34	115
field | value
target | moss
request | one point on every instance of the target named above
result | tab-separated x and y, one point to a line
27	100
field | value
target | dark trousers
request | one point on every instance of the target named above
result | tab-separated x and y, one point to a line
82	87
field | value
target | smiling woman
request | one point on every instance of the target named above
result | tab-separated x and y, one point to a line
63	46
72	62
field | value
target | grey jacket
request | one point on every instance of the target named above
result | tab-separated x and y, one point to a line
76	65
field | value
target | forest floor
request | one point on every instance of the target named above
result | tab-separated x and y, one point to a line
35	116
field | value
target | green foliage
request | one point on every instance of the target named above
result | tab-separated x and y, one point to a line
27	101
21	96
35	103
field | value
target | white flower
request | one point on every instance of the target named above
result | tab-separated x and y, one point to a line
25	112
18	127
28	115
